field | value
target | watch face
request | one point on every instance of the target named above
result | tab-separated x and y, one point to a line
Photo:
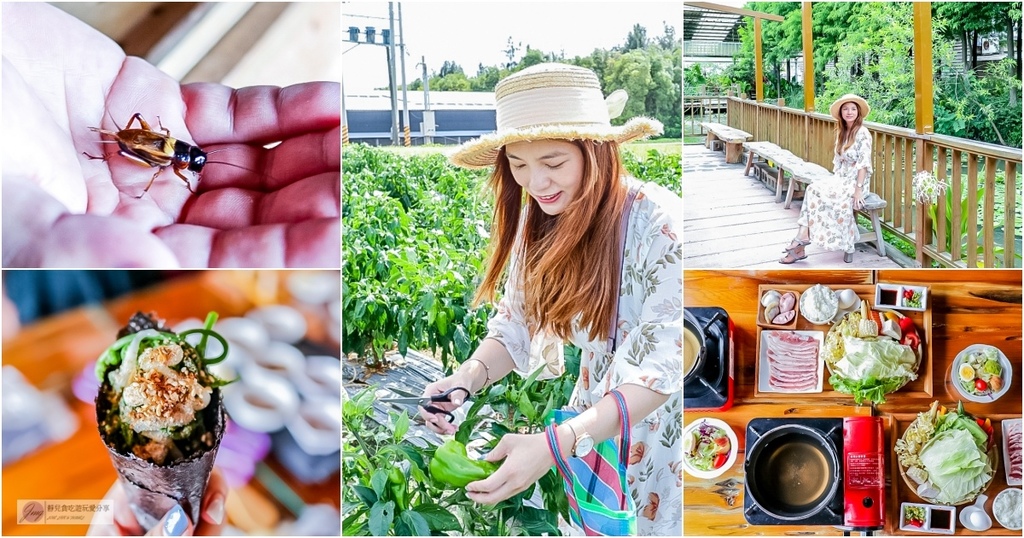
583	446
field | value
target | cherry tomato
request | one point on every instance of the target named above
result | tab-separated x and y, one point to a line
720	460
980	384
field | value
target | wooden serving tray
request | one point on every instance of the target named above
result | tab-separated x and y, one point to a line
900	492
918	388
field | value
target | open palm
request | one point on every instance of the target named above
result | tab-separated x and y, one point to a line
61	77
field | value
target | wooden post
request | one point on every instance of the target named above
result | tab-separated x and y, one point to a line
780	102
758	61
808	58
923	108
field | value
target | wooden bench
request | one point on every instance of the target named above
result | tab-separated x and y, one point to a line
805	173
732	139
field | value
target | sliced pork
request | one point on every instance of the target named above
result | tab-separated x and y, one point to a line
792	361
1013	432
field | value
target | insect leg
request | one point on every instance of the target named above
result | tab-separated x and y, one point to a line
95	158
162	128
185	179
135	159
150	184
138	116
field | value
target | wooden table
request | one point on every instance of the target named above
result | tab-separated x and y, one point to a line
51	352
968	307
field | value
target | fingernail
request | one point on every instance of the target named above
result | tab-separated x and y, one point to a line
175	522
216	510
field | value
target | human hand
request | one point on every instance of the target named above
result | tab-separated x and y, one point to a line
527	459
858	198
436	422
62	209
175	522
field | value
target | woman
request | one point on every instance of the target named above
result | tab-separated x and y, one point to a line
559	196
826	216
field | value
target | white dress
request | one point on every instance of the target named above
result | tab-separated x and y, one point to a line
649	353
827	209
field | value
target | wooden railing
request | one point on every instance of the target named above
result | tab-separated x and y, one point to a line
898	154
700	108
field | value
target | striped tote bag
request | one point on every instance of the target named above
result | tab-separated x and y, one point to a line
599	499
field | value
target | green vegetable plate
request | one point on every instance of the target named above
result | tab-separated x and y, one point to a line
981	373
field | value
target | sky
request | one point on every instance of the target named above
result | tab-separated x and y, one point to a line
471	33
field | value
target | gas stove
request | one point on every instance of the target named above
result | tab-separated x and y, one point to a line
711	389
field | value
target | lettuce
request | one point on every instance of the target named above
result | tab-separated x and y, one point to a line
956	465
870	368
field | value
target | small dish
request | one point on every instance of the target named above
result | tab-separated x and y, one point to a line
762	319
1002	508
1009	426
688	446
901	297
1006	374
764	383
974	517
937	519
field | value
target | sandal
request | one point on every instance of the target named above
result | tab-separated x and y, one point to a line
795	244
791	255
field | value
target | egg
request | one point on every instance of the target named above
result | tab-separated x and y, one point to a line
966	372
847	298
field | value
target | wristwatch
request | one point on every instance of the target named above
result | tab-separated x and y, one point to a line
583	443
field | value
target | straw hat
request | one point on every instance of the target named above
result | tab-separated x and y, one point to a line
850	97
552	101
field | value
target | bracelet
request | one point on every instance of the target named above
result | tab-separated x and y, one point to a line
487	370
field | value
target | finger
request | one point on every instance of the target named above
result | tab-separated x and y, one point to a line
125	523
212	516
174	523
219	114
231	208
314	243
299	157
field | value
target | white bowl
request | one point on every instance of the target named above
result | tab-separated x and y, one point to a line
830	309
734	446
991	397
1001	494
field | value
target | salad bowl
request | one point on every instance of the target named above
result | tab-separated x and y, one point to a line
709	448
975	370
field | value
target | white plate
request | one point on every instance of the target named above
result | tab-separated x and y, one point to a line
764	371
1006	454
1001	493
734	446
991	397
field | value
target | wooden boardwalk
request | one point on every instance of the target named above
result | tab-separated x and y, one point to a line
731	221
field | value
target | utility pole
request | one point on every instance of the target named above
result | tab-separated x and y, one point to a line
391	73
427	127
405	96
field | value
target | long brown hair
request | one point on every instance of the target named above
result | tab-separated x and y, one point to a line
846	135
566	262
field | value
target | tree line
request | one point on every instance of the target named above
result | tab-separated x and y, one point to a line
648	68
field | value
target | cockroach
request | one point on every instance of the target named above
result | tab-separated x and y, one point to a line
151	148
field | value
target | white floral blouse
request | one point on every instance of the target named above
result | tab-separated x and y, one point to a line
827	209
649	353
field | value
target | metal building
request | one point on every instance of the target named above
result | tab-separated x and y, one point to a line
457	117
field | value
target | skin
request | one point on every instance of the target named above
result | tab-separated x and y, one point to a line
211	520
62	209
551	171
848	111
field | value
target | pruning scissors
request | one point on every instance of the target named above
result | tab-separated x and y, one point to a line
426	401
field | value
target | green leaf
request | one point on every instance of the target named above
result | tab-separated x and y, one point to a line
381	516
367	495
437	518
379	481
401	426
416	522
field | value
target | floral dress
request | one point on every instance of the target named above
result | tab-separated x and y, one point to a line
827	210
649	353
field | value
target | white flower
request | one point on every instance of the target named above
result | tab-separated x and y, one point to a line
928	188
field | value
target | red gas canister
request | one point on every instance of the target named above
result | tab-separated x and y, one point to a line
863	473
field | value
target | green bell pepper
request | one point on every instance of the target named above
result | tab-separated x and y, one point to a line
399	487
453	466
